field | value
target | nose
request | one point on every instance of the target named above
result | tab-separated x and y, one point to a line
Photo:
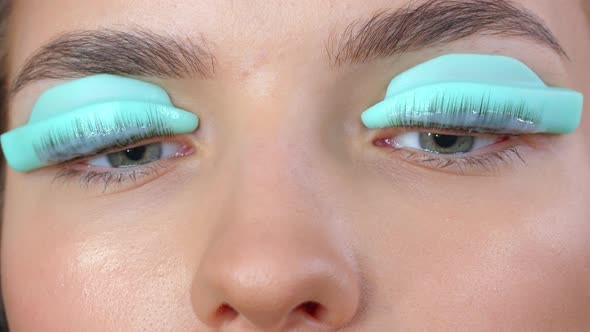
263	278
279	256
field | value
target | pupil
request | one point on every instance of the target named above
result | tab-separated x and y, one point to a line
445	141
135	154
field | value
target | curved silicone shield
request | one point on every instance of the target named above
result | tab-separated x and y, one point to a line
416	95
76	106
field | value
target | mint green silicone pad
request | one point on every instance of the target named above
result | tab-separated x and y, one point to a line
89	115
481	93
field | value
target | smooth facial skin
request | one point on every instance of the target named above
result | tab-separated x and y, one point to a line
290	215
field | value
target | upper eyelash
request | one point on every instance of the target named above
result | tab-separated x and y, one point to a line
55	147
467	115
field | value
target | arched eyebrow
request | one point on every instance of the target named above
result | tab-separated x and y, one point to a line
422	24
136	52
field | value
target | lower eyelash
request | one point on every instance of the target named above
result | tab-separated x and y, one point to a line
89	178
489	163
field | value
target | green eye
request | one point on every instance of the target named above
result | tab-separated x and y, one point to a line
446	144
136	156
442	143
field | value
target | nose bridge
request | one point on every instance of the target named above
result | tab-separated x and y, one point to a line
274	259
270	161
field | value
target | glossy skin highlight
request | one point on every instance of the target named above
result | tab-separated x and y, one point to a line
288	203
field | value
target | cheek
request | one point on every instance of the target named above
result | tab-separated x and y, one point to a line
501	253
515	280
524	272
63	273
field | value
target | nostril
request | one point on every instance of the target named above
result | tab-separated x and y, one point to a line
226	313
277	283
311	309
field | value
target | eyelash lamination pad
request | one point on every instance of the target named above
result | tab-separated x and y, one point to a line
481	93
85	116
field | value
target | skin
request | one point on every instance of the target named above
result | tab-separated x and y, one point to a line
286	198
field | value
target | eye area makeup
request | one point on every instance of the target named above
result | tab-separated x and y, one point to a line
139	155
442	143
471	114
87	116
122	169
455	152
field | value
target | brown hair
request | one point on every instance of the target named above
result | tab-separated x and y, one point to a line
4	8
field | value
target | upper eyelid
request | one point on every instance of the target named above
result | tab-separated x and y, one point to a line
158	139
385	133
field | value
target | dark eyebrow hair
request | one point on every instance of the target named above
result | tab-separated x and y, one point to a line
434	22
137	52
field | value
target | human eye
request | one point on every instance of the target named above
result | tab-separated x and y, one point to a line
469	112
463	136
459	153
137	156
101	129
116	146
444	144
125	167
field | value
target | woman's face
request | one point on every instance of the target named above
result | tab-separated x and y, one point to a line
288	215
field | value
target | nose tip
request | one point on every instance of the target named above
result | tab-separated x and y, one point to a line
276	291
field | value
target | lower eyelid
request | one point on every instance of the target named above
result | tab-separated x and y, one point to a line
113	180
118	180
488	160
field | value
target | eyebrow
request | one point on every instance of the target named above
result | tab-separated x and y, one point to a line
417	25
420	24
137	52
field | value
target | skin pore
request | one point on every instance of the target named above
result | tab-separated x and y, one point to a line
287	216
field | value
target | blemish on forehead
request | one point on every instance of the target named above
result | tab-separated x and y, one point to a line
256	76
251	64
